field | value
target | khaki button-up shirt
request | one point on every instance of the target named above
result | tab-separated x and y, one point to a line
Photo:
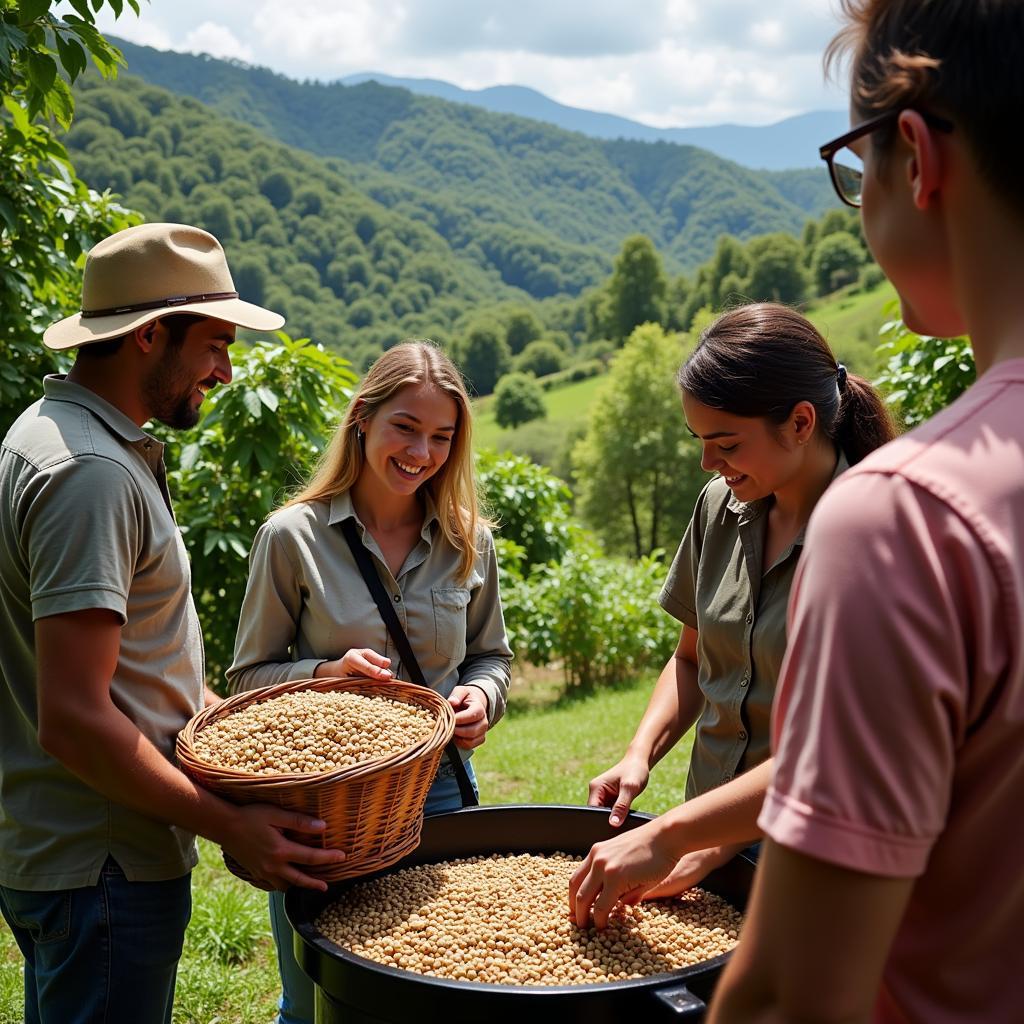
86	522
306	602
718	584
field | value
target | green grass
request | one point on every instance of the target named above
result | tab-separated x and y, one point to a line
566	406
545	751
849	322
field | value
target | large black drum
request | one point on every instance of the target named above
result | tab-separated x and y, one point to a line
353	990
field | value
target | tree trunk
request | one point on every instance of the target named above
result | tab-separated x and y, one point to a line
633	517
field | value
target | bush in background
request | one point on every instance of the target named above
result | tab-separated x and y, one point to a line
531	505
257	440
597	617
517	400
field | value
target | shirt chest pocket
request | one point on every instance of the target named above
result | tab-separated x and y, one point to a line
450	605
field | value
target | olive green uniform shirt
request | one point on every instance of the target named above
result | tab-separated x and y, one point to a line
718	585
86	522
306	602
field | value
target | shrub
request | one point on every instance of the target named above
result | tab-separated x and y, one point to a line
256	440
518	399
529	502
540	358
599	617
923	375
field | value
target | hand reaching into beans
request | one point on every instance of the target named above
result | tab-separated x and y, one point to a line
359	661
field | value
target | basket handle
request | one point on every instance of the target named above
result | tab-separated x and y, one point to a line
394	626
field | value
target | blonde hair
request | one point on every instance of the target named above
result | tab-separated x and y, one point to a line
453	487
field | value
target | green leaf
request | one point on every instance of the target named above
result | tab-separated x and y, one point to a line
253	404
118	6
62	103
32	10
72	55
19	115
268	398
238	547
82	7
42	70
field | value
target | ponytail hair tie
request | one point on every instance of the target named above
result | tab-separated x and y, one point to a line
841	376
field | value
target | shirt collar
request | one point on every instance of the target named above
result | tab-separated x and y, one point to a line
57	388
342	509
748	511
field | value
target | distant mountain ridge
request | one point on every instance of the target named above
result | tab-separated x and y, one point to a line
790	143
504	183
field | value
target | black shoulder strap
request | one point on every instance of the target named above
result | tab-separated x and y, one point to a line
394	626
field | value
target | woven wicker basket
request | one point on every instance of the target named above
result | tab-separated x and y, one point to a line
373	810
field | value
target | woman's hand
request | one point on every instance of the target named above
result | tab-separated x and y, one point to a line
360	661
470	704
619	787
622	869
692	869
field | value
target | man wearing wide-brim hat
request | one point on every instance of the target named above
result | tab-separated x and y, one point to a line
101	662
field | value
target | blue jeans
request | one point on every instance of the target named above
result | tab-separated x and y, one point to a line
103	954
296	1003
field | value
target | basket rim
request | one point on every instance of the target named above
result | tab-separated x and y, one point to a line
398	689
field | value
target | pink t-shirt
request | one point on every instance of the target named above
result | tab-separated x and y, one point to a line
899	715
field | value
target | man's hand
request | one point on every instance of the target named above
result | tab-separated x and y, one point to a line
470	704
255	838
619	787
618	870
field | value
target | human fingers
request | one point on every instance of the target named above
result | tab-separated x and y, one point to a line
623	802
584	888
603	789
365	662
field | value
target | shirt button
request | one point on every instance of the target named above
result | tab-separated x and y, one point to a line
744	680
398	598
743	735
750	619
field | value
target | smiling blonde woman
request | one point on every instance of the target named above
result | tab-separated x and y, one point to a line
400	468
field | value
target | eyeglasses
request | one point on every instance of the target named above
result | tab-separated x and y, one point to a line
847	169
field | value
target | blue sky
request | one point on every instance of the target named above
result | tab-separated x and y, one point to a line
664	62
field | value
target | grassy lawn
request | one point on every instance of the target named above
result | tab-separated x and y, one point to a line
849	322
545	751
566	406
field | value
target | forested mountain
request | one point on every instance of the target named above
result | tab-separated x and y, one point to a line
792	142
472	167
302	236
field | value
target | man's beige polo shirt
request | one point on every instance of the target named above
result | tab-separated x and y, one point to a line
720	586
86	522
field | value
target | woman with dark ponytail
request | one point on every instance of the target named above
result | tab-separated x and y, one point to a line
778	419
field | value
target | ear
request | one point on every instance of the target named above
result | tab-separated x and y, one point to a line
924	161
802	421
146	335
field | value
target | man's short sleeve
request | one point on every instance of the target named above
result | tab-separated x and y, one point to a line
82	528
891	598
679	594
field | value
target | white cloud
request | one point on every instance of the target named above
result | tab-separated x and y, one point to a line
218	41
665	62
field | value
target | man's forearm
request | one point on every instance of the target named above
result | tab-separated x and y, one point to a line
107	751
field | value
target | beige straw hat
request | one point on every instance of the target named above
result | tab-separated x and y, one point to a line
142	273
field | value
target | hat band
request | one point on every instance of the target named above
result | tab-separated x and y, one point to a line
175	300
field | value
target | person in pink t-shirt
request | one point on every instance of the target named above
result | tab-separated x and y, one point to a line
891	886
